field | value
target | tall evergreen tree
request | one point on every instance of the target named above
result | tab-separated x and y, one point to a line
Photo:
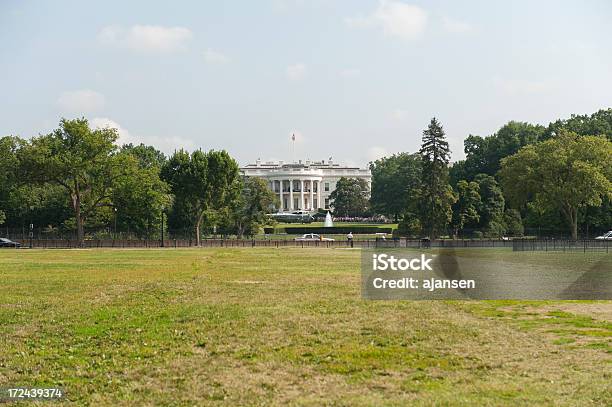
436	195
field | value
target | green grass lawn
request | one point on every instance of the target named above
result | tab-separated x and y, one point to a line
283	326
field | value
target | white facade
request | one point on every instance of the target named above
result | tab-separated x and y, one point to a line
303	185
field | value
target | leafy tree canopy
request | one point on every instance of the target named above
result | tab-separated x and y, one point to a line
83	161
201	182
395	182
465	209
249	212
567	172
596	124
350	198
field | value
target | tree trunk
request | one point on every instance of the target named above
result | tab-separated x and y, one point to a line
76	205
574	224
80	231
197	226
572	218
197	231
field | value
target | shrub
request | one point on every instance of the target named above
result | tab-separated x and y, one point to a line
338	230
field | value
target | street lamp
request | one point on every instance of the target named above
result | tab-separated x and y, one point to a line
115	234
31	226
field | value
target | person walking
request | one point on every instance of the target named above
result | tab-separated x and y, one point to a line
349	239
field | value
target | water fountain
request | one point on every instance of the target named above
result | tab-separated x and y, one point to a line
328	221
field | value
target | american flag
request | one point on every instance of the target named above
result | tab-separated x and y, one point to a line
293	137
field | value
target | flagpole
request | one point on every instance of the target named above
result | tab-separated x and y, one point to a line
293	148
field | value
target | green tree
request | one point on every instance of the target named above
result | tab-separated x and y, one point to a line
201	182
40	204
395	182
22	201
81	160
436	195
567	172
139	199
350	198
9	165
250	210
409	225
597	124
513	222
465	210
148	156
483	155
492	206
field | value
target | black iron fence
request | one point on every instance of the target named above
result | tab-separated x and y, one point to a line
550	245
278	243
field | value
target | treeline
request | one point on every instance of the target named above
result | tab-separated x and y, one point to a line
77	181
557	177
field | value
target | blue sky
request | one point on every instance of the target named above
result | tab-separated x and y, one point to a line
353	79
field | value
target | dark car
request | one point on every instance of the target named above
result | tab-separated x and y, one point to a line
8	243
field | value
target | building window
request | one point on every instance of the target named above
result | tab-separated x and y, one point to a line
326	203
326	188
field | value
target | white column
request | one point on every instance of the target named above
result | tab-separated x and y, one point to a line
302	206
281	196
319	203
291	194
311	195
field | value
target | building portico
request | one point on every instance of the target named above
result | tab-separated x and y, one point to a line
303	186
297	194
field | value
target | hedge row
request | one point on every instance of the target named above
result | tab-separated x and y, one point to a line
334	230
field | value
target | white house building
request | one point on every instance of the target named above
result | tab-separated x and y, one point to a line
303	185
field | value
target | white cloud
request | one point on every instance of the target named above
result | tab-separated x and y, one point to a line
350	73
456	26
81	101
376	152
146	38
397	19
165	144
104	122
296	72
215	57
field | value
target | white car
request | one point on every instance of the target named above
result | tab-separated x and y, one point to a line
313	237
605	236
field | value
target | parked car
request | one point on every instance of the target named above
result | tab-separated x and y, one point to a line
313	237
8	243
605	236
